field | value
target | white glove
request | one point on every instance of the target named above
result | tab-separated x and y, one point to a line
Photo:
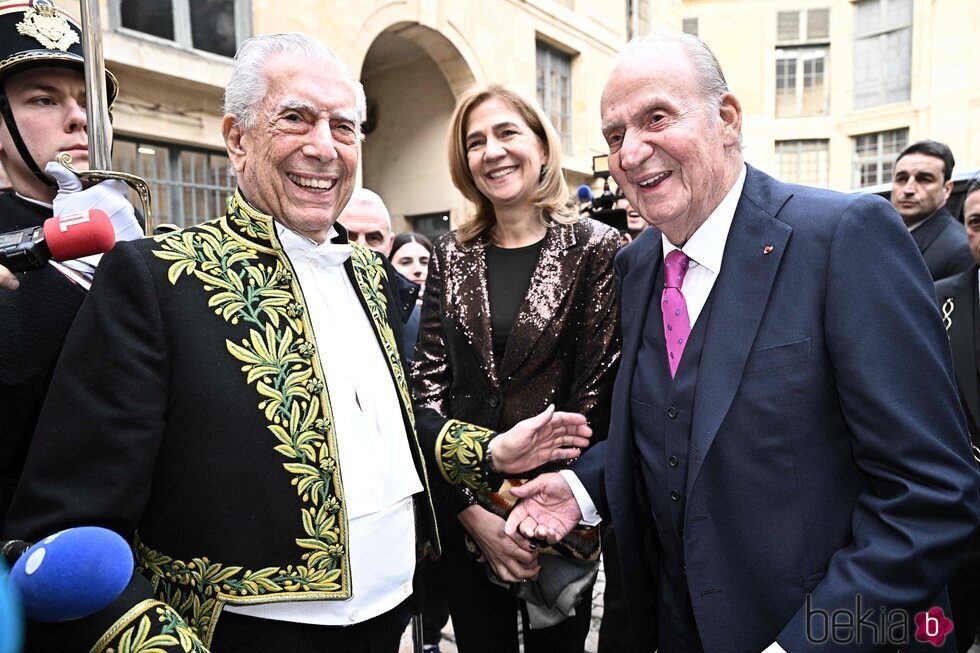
109	196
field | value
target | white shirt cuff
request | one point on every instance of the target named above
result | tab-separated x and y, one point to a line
590	516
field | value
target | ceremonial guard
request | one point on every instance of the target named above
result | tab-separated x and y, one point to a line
42	106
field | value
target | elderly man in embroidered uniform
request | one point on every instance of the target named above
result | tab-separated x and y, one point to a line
249	426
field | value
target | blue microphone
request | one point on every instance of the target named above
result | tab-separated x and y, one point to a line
72	574
584	193
11	619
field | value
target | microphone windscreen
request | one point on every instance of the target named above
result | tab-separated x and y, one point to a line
584	193
72	574
79	234
11	620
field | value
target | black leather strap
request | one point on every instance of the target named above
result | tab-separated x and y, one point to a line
25	154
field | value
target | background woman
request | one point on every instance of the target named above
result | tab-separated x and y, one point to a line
519	313
410	254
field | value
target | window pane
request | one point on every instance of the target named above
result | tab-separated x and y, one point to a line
213	26
818	24
187	186
554	89
788	26
156	18
898	66
898	13
804	162
874	155
867	16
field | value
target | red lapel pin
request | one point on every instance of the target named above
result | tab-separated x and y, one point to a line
767	249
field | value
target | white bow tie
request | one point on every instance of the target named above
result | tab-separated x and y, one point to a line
329	254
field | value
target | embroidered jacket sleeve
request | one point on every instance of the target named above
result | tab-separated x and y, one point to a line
456	448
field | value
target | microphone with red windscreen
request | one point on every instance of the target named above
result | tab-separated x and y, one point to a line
61	238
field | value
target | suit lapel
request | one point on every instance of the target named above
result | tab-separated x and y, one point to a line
926	233
473	287
635	291
543	297
962	332
741	293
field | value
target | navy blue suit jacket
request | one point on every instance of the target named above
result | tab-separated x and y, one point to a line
828	453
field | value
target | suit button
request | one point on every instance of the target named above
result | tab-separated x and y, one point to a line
493	401
682	533
672	461
671	412
675	495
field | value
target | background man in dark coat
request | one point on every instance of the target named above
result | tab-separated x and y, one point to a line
959	302
920	187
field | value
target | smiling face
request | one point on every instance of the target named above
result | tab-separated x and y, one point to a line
674	155
503	153
49	107
298	160
918	189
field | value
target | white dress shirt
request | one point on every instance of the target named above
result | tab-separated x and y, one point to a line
705	248
378	475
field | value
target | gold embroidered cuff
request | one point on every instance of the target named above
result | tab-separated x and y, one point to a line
460	452
149	625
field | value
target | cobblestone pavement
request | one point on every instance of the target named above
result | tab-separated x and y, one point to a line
448	644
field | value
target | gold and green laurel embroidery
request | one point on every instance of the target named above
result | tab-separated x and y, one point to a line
135	632
460	449
370	274
278	357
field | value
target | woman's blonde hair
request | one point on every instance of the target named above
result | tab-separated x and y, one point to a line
552	198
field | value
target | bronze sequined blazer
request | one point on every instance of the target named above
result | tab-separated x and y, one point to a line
563	347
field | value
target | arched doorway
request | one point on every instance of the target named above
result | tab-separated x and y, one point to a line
412	75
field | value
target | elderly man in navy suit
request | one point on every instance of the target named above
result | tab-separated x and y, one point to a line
785	418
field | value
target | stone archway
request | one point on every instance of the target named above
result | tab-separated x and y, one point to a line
412	75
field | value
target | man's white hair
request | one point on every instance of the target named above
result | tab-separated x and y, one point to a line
709	76
248	84
707	71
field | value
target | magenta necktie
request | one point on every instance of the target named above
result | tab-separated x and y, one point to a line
677	324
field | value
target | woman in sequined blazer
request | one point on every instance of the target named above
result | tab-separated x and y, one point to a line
519	313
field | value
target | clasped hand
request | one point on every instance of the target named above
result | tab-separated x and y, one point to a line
546	437
547	511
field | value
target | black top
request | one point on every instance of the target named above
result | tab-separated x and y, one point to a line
508	277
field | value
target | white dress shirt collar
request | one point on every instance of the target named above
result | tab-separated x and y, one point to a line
706	246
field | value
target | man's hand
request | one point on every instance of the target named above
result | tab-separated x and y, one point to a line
110	196
510	562
7	279
547	510
540	439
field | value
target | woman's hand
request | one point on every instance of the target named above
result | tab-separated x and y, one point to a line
509	562
538	440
